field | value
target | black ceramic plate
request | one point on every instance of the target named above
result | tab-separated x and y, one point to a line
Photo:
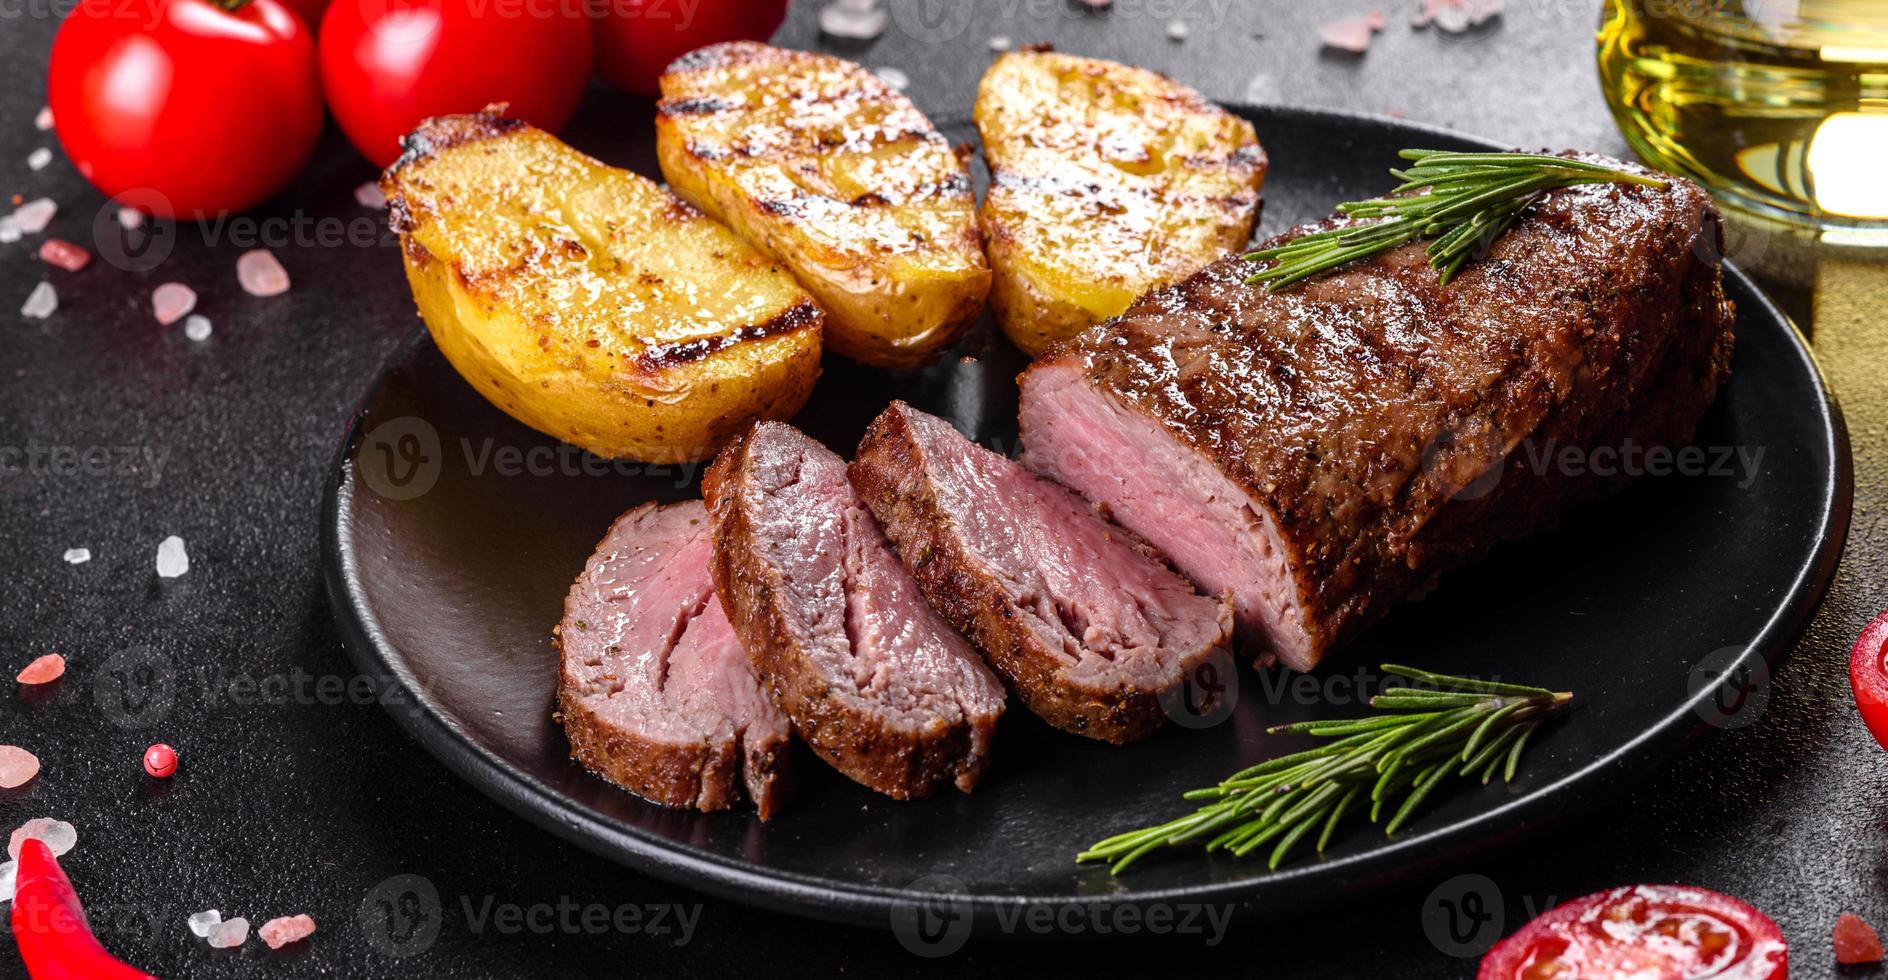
453	532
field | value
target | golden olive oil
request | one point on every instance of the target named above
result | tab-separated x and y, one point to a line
1779	106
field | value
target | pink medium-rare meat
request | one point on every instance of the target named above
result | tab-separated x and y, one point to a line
1328	450
654	689
1082	620
874	679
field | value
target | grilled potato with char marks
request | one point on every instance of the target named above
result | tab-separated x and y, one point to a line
820	164
588	302
1106	181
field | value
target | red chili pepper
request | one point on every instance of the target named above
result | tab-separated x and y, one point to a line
49	924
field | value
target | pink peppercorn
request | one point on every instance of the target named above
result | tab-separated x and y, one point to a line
160	760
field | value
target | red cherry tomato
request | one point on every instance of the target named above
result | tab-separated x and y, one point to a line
185	107
636	39
1645	932
1869	677
387	65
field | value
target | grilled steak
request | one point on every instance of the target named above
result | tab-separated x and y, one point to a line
874	679
1082	620
654	690
1327	451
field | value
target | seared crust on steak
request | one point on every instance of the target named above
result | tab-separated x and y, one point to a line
1082	620
875	681
1352	438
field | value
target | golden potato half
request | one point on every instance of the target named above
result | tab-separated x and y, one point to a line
820	164
588	302
1106	181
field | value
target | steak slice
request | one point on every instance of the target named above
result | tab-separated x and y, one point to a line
1081	618
1328	450
654	690
874	679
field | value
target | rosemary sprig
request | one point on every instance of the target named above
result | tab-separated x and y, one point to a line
1467	200
1454	726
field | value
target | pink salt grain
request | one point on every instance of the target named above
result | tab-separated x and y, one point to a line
64	254
171	301
17	766
261	274
287	929
1352	34
44	670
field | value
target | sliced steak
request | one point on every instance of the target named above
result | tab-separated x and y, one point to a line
1080	617
874	679
1327	451
655	692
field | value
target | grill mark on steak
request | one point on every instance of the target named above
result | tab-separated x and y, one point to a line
1082	619
876	682
1329	450
653	689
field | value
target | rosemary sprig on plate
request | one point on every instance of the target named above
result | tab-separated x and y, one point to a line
1450	726
1467	201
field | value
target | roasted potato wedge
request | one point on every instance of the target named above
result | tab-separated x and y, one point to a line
821	165
1106	181
588	302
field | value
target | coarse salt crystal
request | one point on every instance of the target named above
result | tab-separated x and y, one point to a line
17	767
130	219
41	303
57	835
200	923
1001	42
1352	34
287	929
172	559
10	230
260	273
1456	16
893	77
9	876
64	254
43	670
369	195
230	933
78	556
171	301
43	121
38	159
1177	30
197	327
35	215
858	20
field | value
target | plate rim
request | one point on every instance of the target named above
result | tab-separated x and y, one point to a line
876	905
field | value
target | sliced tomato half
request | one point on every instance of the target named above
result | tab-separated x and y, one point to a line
1869	677
1644	932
